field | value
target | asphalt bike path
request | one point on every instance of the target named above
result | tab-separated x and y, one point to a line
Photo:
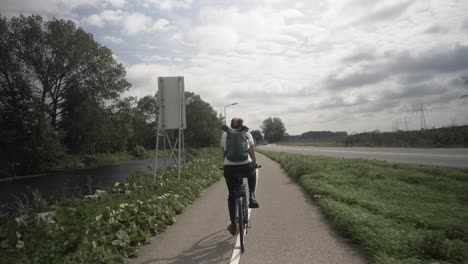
287	228
199	234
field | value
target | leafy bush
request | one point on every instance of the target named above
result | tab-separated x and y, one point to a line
139	152
108	226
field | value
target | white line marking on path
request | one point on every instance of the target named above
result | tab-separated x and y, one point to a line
236	253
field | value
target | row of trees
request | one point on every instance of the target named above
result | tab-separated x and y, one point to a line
60	93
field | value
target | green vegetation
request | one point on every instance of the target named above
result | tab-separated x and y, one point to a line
61	97
80	161
110	225
273	129
50	74
430	138
399	213
257	135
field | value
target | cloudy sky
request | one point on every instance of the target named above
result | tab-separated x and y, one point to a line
350	65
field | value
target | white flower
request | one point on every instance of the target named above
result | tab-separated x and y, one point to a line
100	192
92	196
99	217
46	217
116	184
20	244
21	219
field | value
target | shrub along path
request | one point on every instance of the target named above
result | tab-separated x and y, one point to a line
288	228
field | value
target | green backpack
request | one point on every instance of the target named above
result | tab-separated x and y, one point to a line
237	143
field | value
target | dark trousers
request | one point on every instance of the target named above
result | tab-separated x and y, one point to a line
233	174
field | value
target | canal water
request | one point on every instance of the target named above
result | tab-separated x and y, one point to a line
73	182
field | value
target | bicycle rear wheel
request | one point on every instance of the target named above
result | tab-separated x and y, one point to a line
241	224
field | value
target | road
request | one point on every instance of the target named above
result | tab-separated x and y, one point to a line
451	157
287	228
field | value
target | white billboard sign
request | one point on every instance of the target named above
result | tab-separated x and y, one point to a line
172	102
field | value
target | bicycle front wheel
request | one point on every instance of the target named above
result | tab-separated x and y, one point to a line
241	224
246	213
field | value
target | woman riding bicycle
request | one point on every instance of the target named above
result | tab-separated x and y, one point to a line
238	151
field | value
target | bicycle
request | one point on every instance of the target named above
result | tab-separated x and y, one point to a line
242	214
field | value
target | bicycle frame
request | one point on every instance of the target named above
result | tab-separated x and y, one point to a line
242	215
241	210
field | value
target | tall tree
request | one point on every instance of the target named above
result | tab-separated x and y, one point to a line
147	108
54	78
203	124
26	139
257	135
60	58
145	122
273	129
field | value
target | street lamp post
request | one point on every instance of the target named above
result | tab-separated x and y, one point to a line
225	119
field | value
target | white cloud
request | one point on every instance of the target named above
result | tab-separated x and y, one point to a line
117	3
113	39
56	8
160	25
169	4
228	28
131	23
113	17
292	13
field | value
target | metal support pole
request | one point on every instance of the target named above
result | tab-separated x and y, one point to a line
165	153
157	147
183	146
180	121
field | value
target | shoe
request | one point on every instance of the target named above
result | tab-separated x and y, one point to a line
253	203
232	228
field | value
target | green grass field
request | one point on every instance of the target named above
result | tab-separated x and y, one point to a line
398	213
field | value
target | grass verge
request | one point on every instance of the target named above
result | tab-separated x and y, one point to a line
110	225
399	213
